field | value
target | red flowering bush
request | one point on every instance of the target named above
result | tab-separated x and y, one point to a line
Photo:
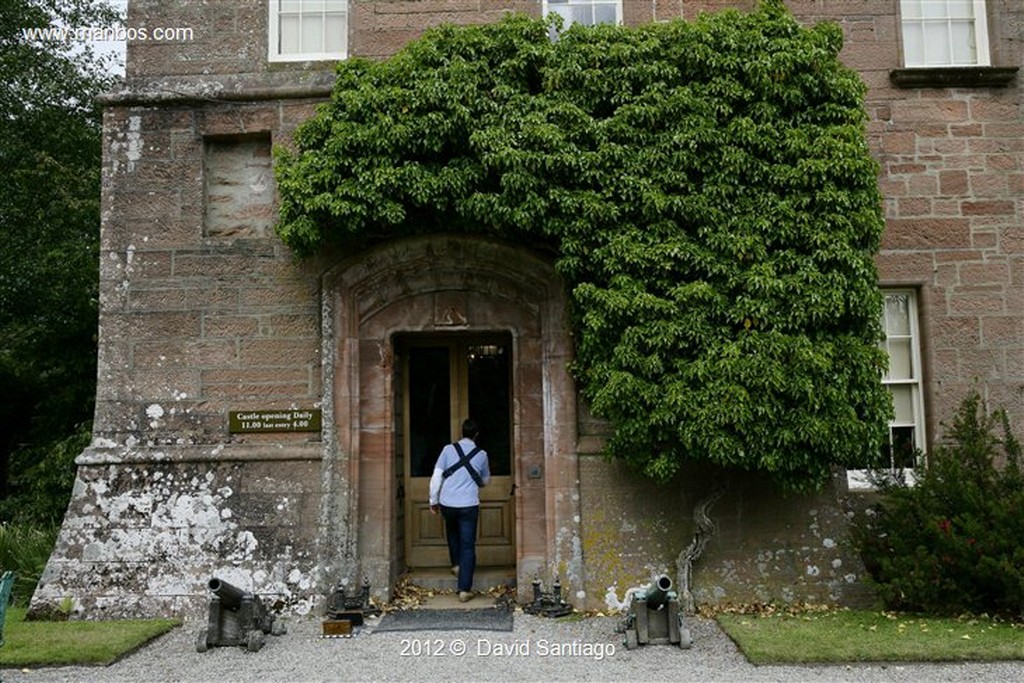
953	541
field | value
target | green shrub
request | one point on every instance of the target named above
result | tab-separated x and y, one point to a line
41	480
25	550
953	541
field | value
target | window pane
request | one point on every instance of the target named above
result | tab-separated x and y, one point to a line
903	403
903	447
288	40
429	407
901	364
336	38
312	34
291	6
910	9
489	404
583	14
604	14
565	13
934	9
899	450
961	9
897	315
963	42
913	44
936	41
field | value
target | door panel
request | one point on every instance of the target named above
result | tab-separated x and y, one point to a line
495	524
447	379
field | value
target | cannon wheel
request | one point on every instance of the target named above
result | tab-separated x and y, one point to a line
631	639
685	638
201	644
254	640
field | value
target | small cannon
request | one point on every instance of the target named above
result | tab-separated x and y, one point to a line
347	611
548	604
236	617
654	617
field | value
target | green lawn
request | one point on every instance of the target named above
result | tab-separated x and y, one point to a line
859	636
778	638
61	643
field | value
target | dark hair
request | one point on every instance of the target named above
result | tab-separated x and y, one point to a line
469	428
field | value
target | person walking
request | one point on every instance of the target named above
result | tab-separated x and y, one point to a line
461	470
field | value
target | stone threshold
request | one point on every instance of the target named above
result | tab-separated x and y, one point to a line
441	578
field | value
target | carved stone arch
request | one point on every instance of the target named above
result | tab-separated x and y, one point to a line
446	284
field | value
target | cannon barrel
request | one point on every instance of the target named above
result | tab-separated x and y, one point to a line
659	592
230	595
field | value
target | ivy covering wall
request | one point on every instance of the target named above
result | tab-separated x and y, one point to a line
706	188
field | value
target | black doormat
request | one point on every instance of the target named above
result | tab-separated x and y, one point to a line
491	619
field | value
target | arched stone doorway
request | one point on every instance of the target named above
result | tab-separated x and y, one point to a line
451	288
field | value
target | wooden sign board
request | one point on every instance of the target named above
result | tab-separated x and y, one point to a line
256	421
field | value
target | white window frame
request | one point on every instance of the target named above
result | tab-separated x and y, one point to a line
546	7
863	479
909	20
274	54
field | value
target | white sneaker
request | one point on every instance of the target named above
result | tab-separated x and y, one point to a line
455	569
465	596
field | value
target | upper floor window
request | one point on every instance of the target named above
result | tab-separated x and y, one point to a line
307	30
944	33
903	379
587	12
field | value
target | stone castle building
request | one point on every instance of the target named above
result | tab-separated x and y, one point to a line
272	421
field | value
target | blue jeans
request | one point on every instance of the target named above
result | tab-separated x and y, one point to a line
460	529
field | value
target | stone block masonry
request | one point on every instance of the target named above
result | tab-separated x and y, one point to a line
203	312
159	530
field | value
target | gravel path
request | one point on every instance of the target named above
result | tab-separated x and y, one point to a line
537	649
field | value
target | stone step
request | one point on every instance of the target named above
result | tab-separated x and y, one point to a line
441	578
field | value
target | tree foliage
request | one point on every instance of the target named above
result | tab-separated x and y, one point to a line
954	541
49	219
707	189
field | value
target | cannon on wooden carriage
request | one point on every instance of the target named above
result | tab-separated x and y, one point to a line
236	617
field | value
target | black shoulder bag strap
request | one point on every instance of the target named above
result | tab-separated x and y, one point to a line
464	459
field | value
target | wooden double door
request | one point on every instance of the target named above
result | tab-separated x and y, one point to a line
444	380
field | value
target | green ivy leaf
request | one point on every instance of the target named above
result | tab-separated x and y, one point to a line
708	189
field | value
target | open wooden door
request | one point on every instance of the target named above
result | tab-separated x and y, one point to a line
446	379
